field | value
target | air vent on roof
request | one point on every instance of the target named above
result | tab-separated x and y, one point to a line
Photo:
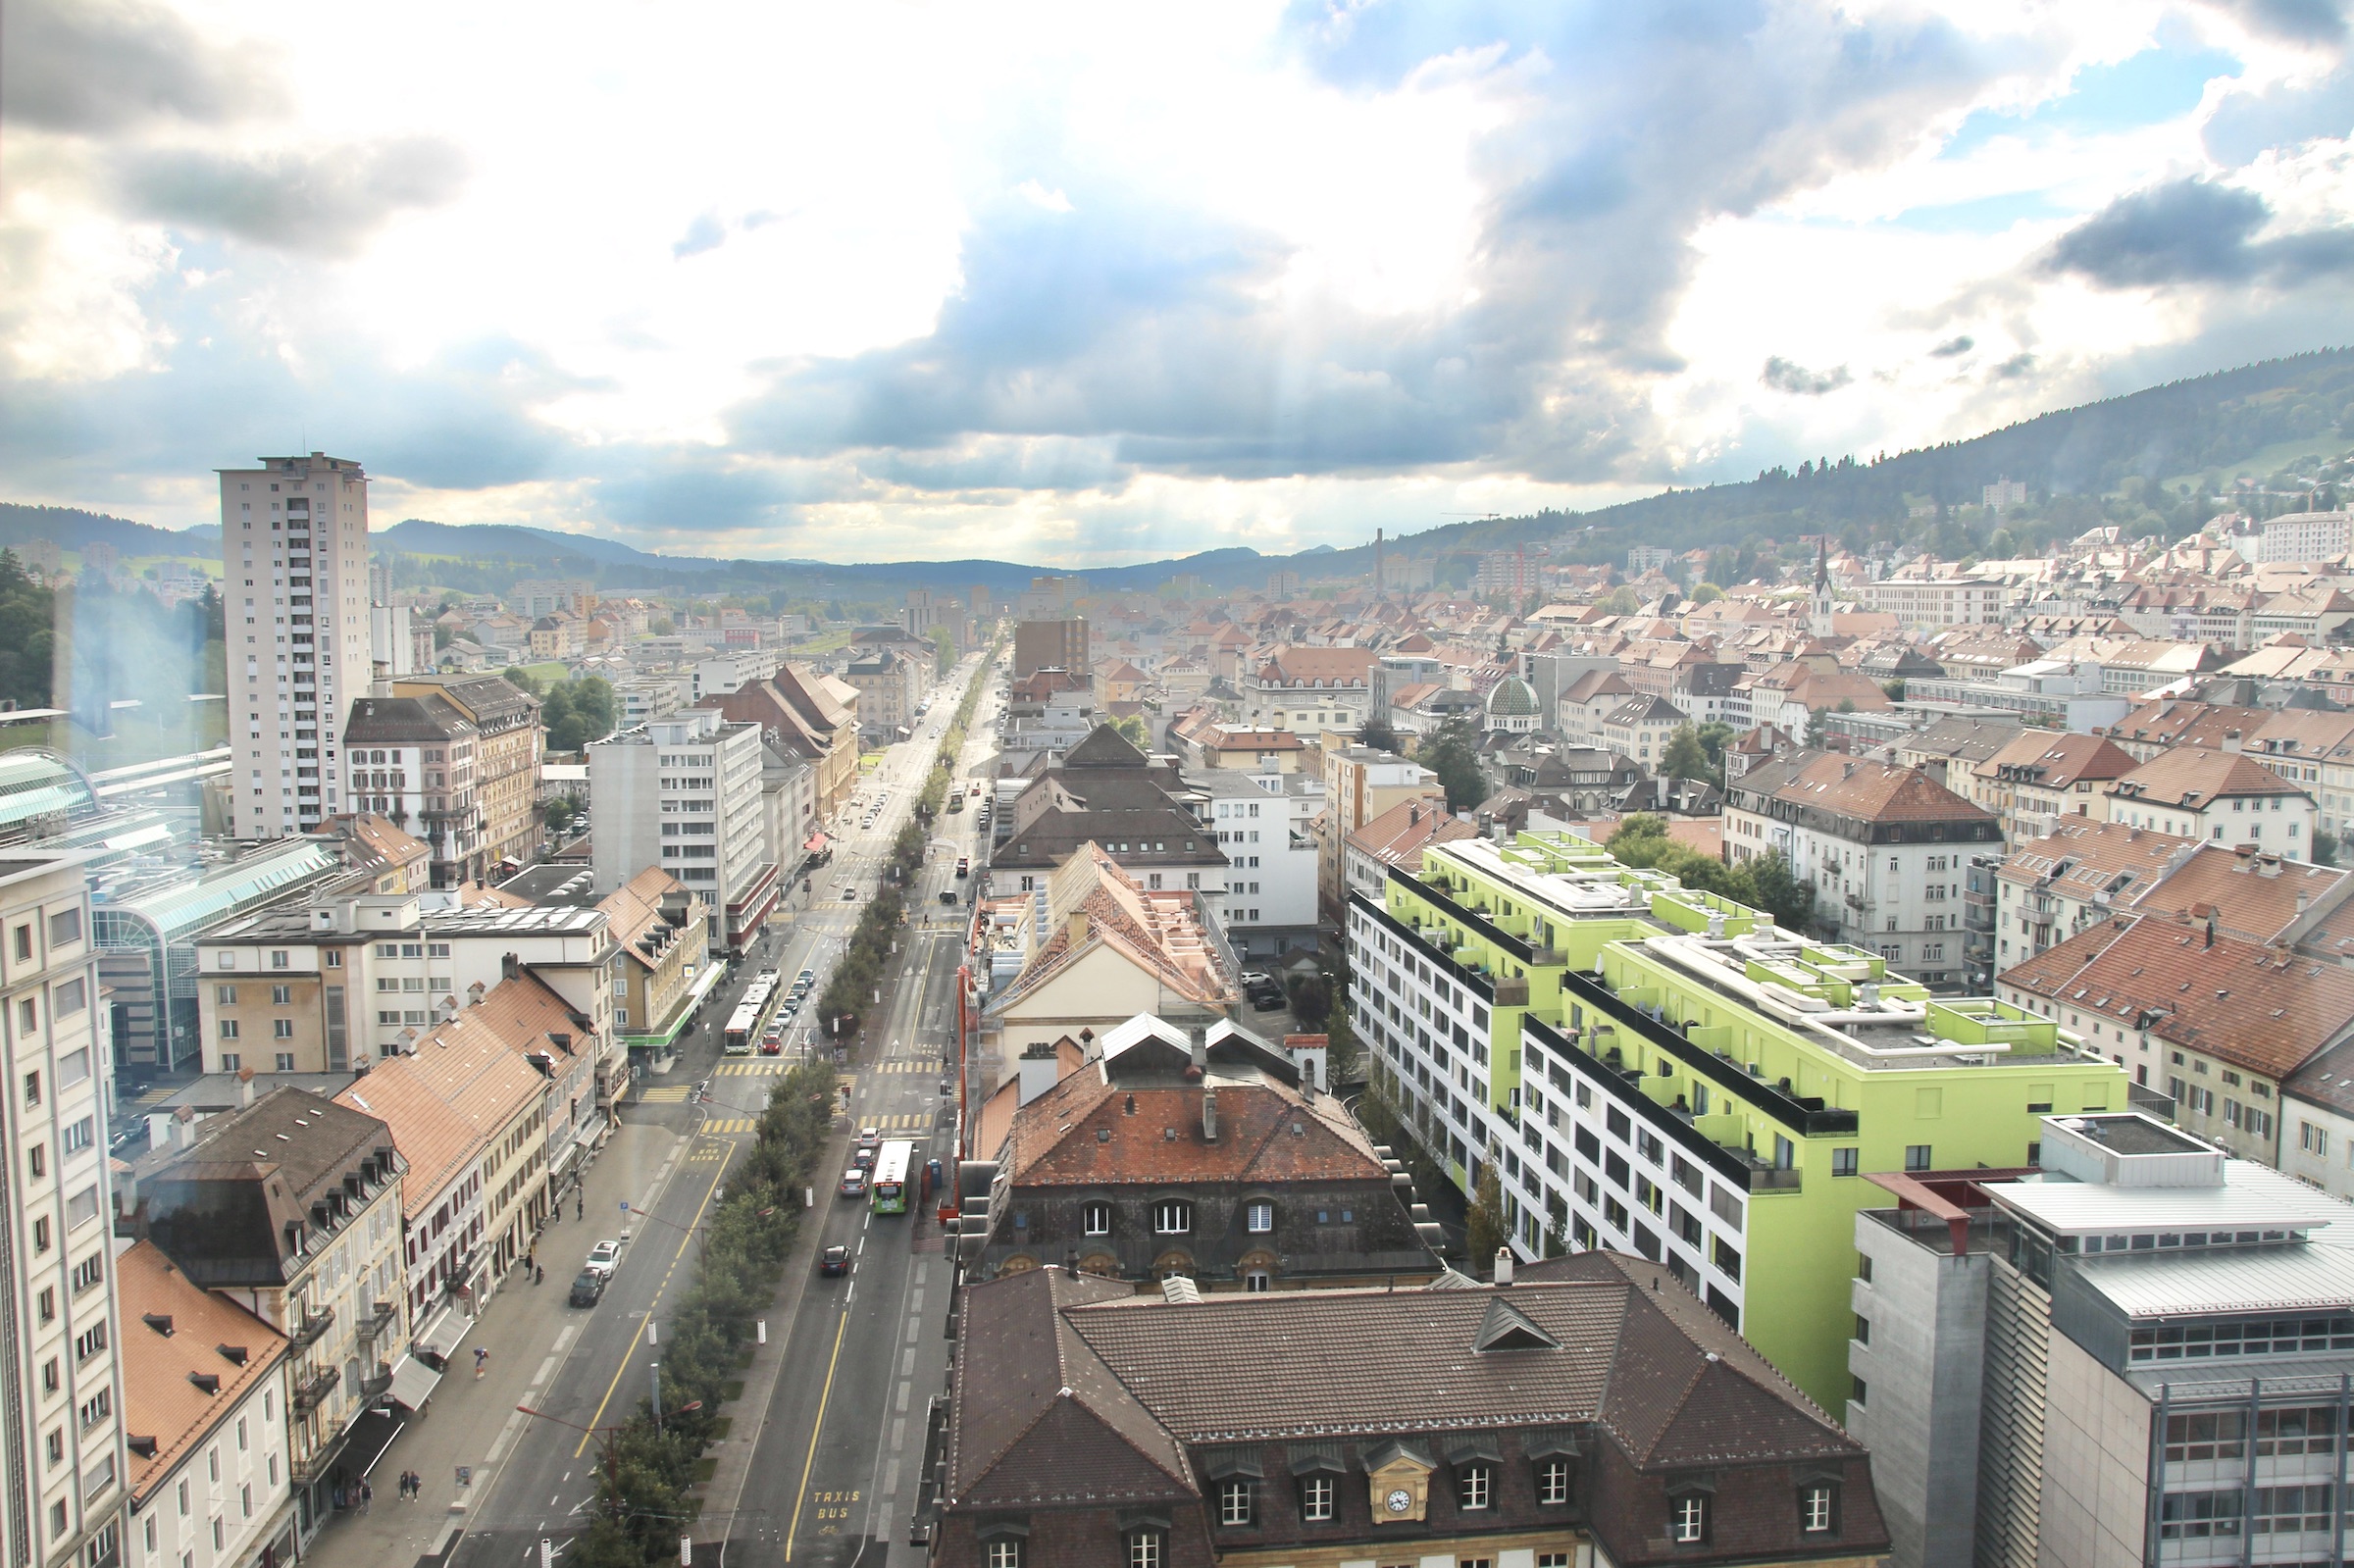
235	1354
160	1322
209	1381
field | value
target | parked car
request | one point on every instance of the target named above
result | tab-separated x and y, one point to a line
804	980
1265	998
853	1182
587	1288
834	1260
603	1258
772	1043
870	1138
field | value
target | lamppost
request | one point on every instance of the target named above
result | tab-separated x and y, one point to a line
611	1455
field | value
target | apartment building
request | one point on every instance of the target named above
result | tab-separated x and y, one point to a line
205	1384
1929	604
890	684
806	716
294	592
1885	848
1107	792
1397	837
1050	645
293	1205
2223	797
1308	690
2042	778
413	760
509	744
684	793
60	1373
1661	1072
2306	536
1266	823
1361	784
2050	888
2138	1354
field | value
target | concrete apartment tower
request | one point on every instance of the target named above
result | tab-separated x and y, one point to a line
294	542
63	1459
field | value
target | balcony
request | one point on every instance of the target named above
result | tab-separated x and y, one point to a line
378	1318
312	1389
311	1328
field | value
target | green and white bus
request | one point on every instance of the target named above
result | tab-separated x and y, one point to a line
890	1176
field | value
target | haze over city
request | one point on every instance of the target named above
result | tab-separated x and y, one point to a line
1080	284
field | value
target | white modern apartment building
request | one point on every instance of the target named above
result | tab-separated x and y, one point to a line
1264	823
295	603
684	793
2306	536
63	1453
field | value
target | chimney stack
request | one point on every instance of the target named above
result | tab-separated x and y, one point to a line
244	1087
184	1127
1503	1265
1210	1115
509	966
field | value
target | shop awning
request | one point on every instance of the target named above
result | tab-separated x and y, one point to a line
413	1381
371	1435
816	844
444	1337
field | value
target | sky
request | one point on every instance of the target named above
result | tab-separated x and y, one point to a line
1084	285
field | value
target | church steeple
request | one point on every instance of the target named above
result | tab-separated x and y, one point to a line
1819	622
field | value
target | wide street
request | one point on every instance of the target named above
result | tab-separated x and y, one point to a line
838	1445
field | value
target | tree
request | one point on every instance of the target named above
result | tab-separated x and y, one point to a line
663	627
1138	734
1620	600
2325	848
1483	1223
521	679
943	651
1895	690
1706	593
28	635
1377	733
1452	751
1311	1000
1684	756
562	813
1716	735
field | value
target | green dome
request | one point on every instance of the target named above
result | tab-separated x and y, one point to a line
1513	698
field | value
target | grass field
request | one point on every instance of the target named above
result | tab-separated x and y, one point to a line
2305	451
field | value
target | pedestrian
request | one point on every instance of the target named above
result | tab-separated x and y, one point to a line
579	1207
481	1355
367	1496
538	1276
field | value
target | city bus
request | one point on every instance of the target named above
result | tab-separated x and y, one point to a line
742	1035
890	1176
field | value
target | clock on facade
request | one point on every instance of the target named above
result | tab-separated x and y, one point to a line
1399	1499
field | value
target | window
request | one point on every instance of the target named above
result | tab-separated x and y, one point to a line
23	943
1474	1487
1145	1549
1234	1503
74	1066
64	927
89	1272
282	1028
282	995
1863	1328
1316	1498
229	1029
1843	1161
226	996
1817	1511
40	1233
32	1089
1916	1157
72	997
1553	1482
1094	1218
1688	1519
1004	1554
1172	1217
1259	1216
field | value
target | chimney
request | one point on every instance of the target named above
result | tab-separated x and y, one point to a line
1077	926
184	1127
244	1087
510	967
1210	1115
1503	1265
2231	741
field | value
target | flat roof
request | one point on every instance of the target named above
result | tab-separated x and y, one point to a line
2317	1276
550	920
2251	1198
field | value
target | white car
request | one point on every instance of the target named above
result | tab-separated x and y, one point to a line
602	1257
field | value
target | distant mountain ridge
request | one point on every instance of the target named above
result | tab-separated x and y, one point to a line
2177	428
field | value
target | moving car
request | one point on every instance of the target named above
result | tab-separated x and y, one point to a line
849	892
587	1288
772	1043
870	1138
862	1157
964	865
853	1182
603	1258
834	1260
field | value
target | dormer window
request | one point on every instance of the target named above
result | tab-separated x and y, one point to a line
1819	1508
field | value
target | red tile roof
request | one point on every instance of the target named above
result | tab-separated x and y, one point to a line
158	1399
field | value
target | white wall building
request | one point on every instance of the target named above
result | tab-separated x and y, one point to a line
2306	536
684	793
1262	821
295	594
1936	601
63	1453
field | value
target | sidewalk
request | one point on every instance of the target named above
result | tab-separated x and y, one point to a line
723	1494
526	1328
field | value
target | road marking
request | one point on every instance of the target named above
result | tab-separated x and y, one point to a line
899	1402
506	1434
631	1349
915	1325
907	1363
816	1430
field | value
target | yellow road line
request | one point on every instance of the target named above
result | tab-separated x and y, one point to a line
630	1349
816	1431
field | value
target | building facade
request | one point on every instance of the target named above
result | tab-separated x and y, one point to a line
684	793
509	744
413	760
1050	645
294	592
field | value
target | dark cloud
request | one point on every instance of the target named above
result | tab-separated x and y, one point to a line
2303	21
323	202
1784	377
2245	126
1953	347
2018	364
2195	231
706	232
97	67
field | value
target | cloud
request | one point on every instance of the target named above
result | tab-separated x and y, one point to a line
1784	377
706	232
98	67
326	202
2012	369
2299	20
1953	347
2195	231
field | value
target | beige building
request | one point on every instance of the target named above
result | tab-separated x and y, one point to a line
204	1382
1360	785
293	1205
890	682
63	1454
1113	950
2043	777
807	716
507	765
2221	796
659	930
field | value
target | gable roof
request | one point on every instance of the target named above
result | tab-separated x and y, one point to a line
2191	777
158	1398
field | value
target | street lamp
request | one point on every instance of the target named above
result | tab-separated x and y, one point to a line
608	1435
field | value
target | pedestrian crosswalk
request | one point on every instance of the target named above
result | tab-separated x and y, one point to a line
731	1124
771	1065
671	1095
158	1094
918	1122
909	1064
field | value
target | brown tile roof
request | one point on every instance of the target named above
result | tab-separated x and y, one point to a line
1267	1132
2256	1007
1343	664
158	1399
2181	722
1874	791
635	907
1158	932
2056	761
2253	896
1400	834
2096	854
2190	777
